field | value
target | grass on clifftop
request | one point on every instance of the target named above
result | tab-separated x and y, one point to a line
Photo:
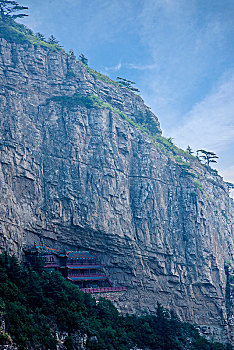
18	33
36	304
100	76
144	122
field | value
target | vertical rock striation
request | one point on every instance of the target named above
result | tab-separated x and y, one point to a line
87	177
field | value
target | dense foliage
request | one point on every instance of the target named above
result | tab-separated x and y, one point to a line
35	304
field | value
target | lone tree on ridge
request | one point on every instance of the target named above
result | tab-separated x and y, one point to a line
230	186
53	40
83	59
9	8
127	84
40	36
71	52
189	150
208	157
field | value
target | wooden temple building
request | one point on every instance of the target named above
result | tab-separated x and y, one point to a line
80	267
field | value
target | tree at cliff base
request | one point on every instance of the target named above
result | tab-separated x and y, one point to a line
36	305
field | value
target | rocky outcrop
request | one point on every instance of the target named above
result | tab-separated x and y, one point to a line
86	177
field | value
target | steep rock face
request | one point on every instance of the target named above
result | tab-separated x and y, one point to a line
86	178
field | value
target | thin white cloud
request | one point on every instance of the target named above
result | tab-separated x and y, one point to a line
228	175
210	123
188	45
120	65
115	68
192	50
141	66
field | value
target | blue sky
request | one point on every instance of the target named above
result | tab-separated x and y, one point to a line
179	53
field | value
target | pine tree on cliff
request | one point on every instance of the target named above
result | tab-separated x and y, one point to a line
208	157
52	40
40	36
230	186
83	59
9	9
189	150
127	84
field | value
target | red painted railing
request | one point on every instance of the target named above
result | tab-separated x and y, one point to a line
89	275
103	289
51	265
84	264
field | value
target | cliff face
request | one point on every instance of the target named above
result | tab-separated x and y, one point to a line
85	177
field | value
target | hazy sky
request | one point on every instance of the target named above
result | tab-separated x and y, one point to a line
180	53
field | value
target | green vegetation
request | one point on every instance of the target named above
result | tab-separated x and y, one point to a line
186	169
17	33
193	196
207	156
127	84
35	304
145	122
100	76
52	40
71	53
87	101
40	36
228	267
83	59
92	101
198	185
229	185
180	157
70	74
4	338
189	150
168	147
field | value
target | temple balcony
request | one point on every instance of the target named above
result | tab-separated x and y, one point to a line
103	289
81	263
88	275
50	264
87	278
84	266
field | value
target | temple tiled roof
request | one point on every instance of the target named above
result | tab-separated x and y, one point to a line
39	248
71	264
80	255
83	267
43	249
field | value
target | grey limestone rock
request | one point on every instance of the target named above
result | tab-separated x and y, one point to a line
87	178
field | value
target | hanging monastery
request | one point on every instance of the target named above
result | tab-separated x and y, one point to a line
80	267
